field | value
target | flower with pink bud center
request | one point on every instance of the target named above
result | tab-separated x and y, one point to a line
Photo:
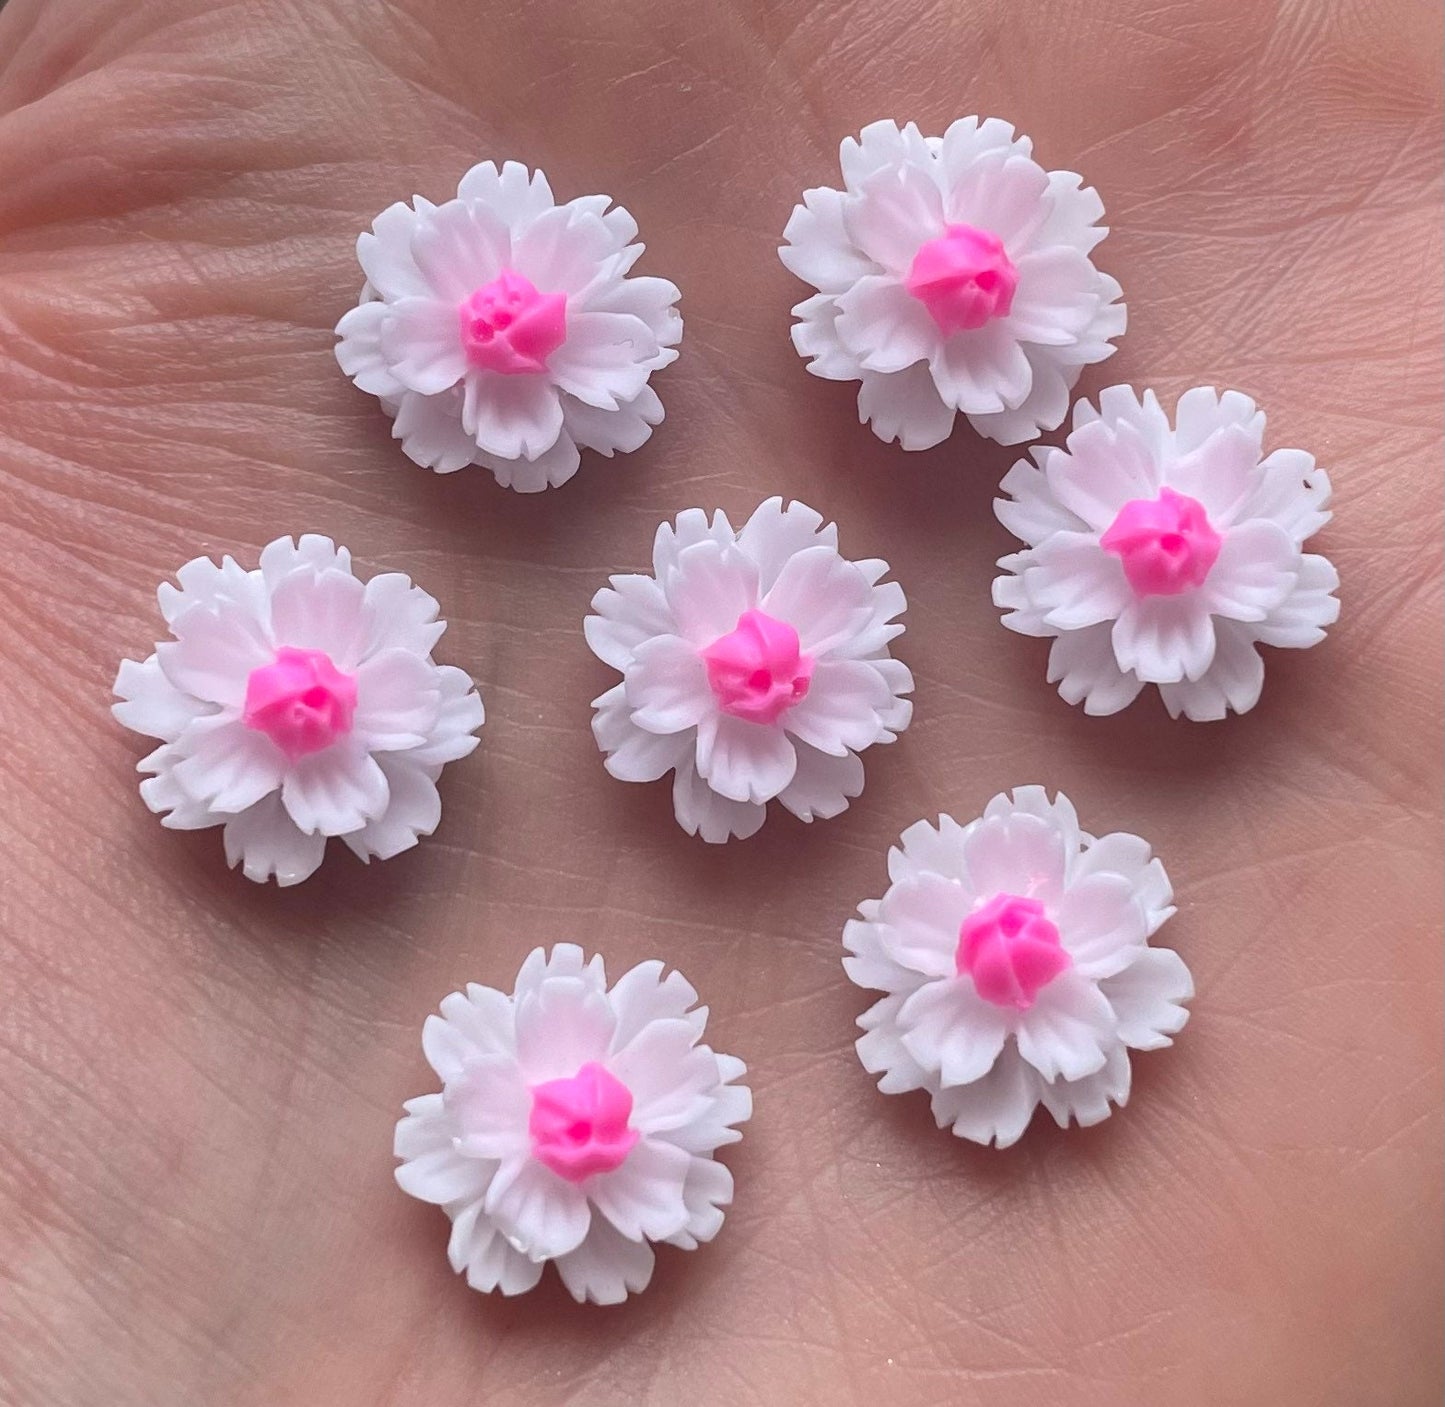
964	278
509	327
1167	544
1011	950
757	670
579	1125
301	701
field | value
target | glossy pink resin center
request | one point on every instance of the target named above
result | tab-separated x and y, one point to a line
1166	544
757	670
301	701
579	1125
964	278
1011	950
508	326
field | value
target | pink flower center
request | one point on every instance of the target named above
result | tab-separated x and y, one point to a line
964	278
757	671
1167	544
508	326
579	1125
301	701
1010	950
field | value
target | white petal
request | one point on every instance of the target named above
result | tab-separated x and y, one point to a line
489	1103
359	353
1292	492
279	559
543	1215
322	611
150	703
815	335
606	1267
947	1027
743	761
431	431
823	596
492	1263
1164	639
884	326
905	407
483	1018
643	994
1299	620
605	360
1082	664
1002	192
1222	474
564	250
513	192
1089	1099
1148	998
731	1104
924	849
1058	293
632	754
919	922
669	1077
442	1176
708	589
1018	854
1234	679
703	812
400	616
775	533
1202	412
611	432
1128	855
881	1050
1069	1029
1051	382
643	1197
178	809
422	344
882	144
562	1026
549	470
650	299
214	652
561	960
227	765
967	139
267	844
708	1189
397	700
1255	571
1101	924
512	417
818	249
895	212
982	371
336	790
628	611
842	711
459	247
666	685
822	785
1076	583
203	583
459	716
413	809
385	254
994	1109
692	526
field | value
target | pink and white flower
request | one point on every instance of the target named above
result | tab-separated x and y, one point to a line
576	1124
503	329
1015	955
954	275
1166	554
756	665
296	702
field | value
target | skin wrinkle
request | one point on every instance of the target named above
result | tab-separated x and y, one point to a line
200	1076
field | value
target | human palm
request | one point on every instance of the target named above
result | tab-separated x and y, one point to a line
200	1075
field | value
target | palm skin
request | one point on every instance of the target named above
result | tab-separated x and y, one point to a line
198	1076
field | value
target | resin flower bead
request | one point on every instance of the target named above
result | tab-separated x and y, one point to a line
1015	955
1166	555
954	276
295	703
503	329
576	1124
755	665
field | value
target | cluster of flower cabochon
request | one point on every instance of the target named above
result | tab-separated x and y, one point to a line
578	1121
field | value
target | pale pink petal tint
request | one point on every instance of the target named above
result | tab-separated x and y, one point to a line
1011	950
964	278
509	327
301	701
579	1125
757	671
1167	544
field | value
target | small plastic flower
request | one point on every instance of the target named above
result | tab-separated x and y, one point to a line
953	275
755	666
1166	555
503	329
296	702
576	1124
1015	955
